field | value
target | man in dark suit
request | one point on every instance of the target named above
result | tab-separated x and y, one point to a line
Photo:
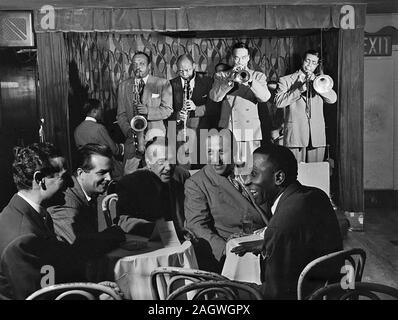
75	213
215	203
192	104
30	254
91	131
154	192
154	103
303	226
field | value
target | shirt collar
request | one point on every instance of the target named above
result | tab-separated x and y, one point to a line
273	208
90	119
38	208
145	79
191	82
85	194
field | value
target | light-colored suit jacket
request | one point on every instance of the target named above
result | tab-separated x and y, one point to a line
239	108
214	208
297	126
157	97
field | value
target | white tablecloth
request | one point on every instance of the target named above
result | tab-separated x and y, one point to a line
245	268
132	274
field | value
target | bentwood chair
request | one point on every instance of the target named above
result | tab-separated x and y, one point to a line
358	291
76	291
108	207
352	260
164	280
217	290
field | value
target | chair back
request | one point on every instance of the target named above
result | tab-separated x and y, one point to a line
350	263
108	207
217	290
359	291
164	280
74	291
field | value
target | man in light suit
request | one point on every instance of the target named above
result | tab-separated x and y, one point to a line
215	204
303	226
156	103
239	109
304	125
91	131
200	111
30	254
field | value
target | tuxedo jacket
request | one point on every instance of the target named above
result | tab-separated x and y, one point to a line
298	129
207	110
304	227
156	96
28	249
239	104
76	222
213	211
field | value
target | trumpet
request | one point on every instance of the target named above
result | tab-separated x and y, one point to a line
240	75
138	123
322	83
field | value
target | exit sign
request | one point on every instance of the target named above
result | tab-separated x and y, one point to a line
377	45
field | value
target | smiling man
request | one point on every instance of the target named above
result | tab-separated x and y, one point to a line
303	226
75	213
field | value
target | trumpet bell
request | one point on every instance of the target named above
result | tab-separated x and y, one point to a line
138	123
323	83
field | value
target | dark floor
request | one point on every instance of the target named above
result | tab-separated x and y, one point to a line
380	241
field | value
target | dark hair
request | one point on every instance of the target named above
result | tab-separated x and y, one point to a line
148	58
84	153
312	52
240	45
28	160
90	105
282	158
185	56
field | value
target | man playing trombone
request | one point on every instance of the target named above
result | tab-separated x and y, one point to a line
302	95
242	89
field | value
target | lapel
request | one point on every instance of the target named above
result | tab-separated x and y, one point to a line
77	189
292	188
178	94
148	90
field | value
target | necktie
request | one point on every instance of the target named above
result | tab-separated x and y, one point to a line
141	88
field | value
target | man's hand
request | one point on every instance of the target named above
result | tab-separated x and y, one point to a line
190	105
182	115
254	247
142	109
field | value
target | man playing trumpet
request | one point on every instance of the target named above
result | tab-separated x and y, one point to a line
241	89
304	124
154	103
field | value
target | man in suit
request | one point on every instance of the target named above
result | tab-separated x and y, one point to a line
91	131
155	104
304	125
239	109
30	254
303	226
75	212
215	203
154	192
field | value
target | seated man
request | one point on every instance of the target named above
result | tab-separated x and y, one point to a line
215	203
30	254
75	213
154	192
303	226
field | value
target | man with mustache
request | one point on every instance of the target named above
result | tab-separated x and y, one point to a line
215	203
75	214
303	227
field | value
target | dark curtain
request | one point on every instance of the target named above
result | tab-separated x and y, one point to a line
350	120
53	86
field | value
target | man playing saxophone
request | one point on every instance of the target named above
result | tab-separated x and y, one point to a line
145	95
304	124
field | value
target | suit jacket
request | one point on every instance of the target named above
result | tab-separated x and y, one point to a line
142	196
303	228
239	108
214	209
93	132
27	244
157	97
297	127
75	221
206	111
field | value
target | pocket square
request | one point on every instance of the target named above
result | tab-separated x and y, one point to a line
204	96
155	95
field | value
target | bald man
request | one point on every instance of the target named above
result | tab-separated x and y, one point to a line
154	192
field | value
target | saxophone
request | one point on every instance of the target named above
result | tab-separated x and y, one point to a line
138	123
